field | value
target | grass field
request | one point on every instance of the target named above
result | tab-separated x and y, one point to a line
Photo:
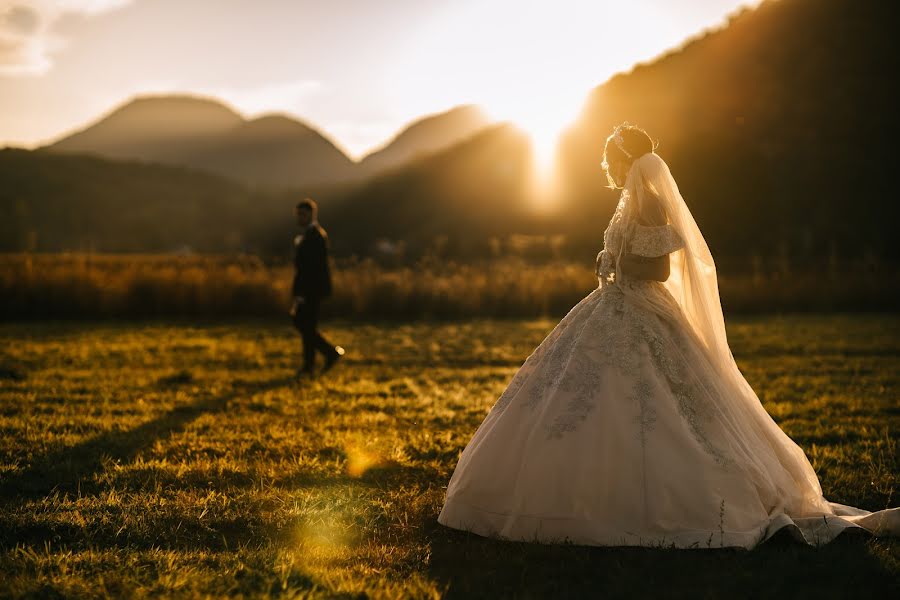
162	286
182	459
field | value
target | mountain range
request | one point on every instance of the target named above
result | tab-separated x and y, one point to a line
778	127
273	151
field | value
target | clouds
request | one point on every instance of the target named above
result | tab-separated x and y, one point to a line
88	7
27	38
22	20
358	70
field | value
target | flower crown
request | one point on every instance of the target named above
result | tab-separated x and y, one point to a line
617	138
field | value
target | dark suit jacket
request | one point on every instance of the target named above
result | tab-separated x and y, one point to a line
312	274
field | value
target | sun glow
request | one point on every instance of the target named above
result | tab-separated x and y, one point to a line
543	119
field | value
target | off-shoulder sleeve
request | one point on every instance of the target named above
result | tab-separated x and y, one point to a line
655	241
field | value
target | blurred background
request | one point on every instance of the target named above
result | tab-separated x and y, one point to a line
154	151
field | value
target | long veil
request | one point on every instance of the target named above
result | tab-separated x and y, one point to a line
692	282
775	462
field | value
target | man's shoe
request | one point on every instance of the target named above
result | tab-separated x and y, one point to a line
331	360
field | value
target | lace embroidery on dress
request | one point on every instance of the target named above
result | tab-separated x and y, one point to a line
621	348
655	241
613	243
558	359
576	369
694	402
583	389
527	369
642	394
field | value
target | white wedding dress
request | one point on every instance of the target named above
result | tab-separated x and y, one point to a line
631	425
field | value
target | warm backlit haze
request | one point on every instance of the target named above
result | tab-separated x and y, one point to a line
356	70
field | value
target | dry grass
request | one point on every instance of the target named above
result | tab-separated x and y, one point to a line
155	459
38	286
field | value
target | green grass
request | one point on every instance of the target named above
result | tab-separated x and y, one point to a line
182	459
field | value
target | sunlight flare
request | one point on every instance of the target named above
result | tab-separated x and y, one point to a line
359	461
543	118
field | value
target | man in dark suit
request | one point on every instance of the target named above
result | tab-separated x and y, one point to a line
312	283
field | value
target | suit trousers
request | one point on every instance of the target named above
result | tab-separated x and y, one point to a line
306	321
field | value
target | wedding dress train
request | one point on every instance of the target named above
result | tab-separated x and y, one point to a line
630	424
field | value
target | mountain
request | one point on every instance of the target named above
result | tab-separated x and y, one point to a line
276	151
166	129
458	199
59	202
425	136
271	151
778	127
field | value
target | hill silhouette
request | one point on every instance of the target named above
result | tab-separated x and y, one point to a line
59	202
777	126
165	129
457	199
425	136
274	150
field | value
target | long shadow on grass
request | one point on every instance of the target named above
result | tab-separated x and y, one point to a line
468	566
71	469
252	519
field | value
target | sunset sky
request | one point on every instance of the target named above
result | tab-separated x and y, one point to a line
356	69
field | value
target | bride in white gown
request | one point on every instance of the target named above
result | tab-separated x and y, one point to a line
630	424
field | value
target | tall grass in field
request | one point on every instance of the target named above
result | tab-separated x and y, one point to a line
85	285
39	286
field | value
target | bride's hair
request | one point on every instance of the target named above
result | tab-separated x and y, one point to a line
626	144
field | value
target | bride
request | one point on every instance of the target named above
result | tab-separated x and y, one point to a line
630	424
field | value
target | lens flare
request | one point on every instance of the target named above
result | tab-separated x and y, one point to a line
359	461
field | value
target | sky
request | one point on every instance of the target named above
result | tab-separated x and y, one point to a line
357	70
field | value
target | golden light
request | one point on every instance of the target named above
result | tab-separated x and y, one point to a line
326	529
543	118
328	533
359	461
